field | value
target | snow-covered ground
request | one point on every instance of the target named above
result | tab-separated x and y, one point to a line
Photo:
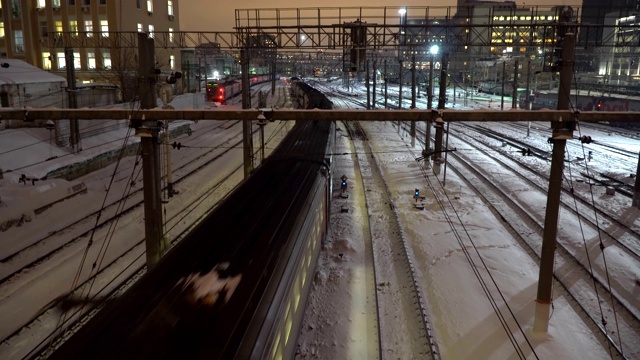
338	319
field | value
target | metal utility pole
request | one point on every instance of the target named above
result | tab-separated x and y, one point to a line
413	98
273	76
413	81
167	157
527	100
375	80
148	132
636	188
367	85
200	75
386	81
430	87
504	69
514	95
400	88
561	132
73	100
427	140
206	70
441	105
247	139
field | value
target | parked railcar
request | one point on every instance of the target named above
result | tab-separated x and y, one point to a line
549	100
222	90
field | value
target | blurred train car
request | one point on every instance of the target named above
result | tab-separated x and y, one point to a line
236	286
549	100
222	90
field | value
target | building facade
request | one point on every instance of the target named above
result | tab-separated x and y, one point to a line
37	32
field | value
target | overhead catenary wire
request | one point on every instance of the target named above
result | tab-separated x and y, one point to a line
474	267
77	276
602	247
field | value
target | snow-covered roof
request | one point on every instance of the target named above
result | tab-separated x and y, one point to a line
20	72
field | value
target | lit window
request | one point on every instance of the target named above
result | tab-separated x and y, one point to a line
151	28
1	28
56	3
40	4
140	28
76	60
106	59
88	27
73	27
171	34
104	27
59	26
172	61
150	6
19	41
170	7
46	60
62	63
91	60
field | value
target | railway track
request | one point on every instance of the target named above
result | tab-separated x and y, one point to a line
615	156
51	243
401	307
626	236
179	220
614	315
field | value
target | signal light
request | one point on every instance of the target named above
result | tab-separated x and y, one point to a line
417	193
176	145
599	106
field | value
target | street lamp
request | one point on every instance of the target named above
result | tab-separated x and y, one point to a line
402	12
433	50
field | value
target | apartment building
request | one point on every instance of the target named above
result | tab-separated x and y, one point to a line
37	31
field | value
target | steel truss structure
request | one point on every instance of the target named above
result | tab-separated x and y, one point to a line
384	27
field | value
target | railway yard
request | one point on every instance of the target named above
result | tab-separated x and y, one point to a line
450	273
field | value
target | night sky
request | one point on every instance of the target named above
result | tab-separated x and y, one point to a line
219	15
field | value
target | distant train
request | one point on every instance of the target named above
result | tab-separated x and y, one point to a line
492	87
221	90
549	100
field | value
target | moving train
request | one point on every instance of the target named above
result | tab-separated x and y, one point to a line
549	100
221	90
236	286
